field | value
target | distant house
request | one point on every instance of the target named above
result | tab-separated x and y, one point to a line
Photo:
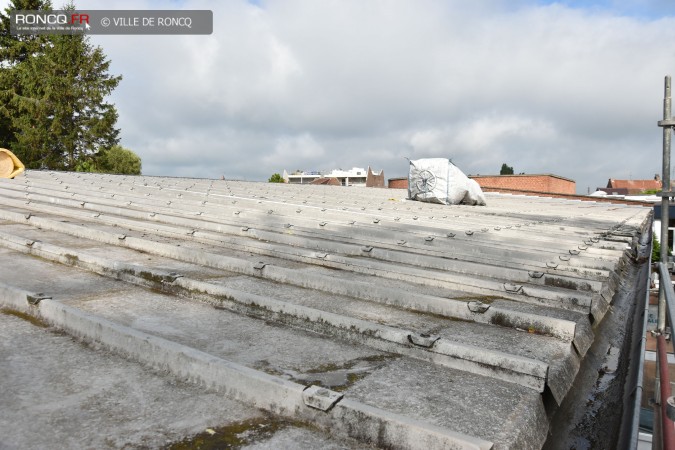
301	176
541	183
327	181
354	177
632	187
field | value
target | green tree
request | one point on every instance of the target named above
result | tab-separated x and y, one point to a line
276	178
15	50
53	90
506	170
117	160
121	160
656	249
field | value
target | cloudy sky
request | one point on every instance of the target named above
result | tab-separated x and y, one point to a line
573	88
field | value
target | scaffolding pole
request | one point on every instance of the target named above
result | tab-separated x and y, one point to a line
667	124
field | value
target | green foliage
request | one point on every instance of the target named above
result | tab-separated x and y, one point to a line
52	91
656	249
117	160
506	170
121	160
651	191
14	50
276	178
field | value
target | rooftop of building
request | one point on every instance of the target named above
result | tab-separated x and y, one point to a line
330	173
643	185
524	175
216	304
329	181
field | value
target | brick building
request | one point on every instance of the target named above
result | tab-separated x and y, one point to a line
356	176
544	183
632	187
398	183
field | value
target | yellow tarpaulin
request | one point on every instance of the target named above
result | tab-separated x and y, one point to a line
10	166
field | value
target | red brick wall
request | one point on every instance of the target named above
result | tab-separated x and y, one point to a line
398	183
532	183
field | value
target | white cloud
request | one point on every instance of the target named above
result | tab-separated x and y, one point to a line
483	142
490	132
305	84
303	148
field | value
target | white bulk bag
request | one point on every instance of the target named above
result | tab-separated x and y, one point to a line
437	180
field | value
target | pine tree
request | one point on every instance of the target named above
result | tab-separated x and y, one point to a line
54	91
14	51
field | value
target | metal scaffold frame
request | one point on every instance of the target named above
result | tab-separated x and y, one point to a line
666	292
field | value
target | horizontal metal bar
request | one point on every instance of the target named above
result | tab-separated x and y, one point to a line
666	123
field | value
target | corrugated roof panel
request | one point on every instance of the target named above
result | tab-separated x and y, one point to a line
438	324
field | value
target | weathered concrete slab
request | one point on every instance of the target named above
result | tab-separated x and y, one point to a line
262	390
58	393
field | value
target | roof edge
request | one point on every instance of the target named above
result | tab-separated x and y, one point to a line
584	198
525	175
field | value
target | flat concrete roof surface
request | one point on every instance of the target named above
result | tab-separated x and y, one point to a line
153	312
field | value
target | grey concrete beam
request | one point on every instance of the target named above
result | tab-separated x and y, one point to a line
525	371
226	209
572	260
409	256
551	291
499	313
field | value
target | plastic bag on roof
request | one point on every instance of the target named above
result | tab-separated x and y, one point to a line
437	180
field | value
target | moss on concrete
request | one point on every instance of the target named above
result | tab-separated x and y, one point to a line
27	317
234	435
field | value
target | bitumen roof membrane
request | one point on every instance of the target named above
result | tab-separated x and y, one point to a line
152	311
